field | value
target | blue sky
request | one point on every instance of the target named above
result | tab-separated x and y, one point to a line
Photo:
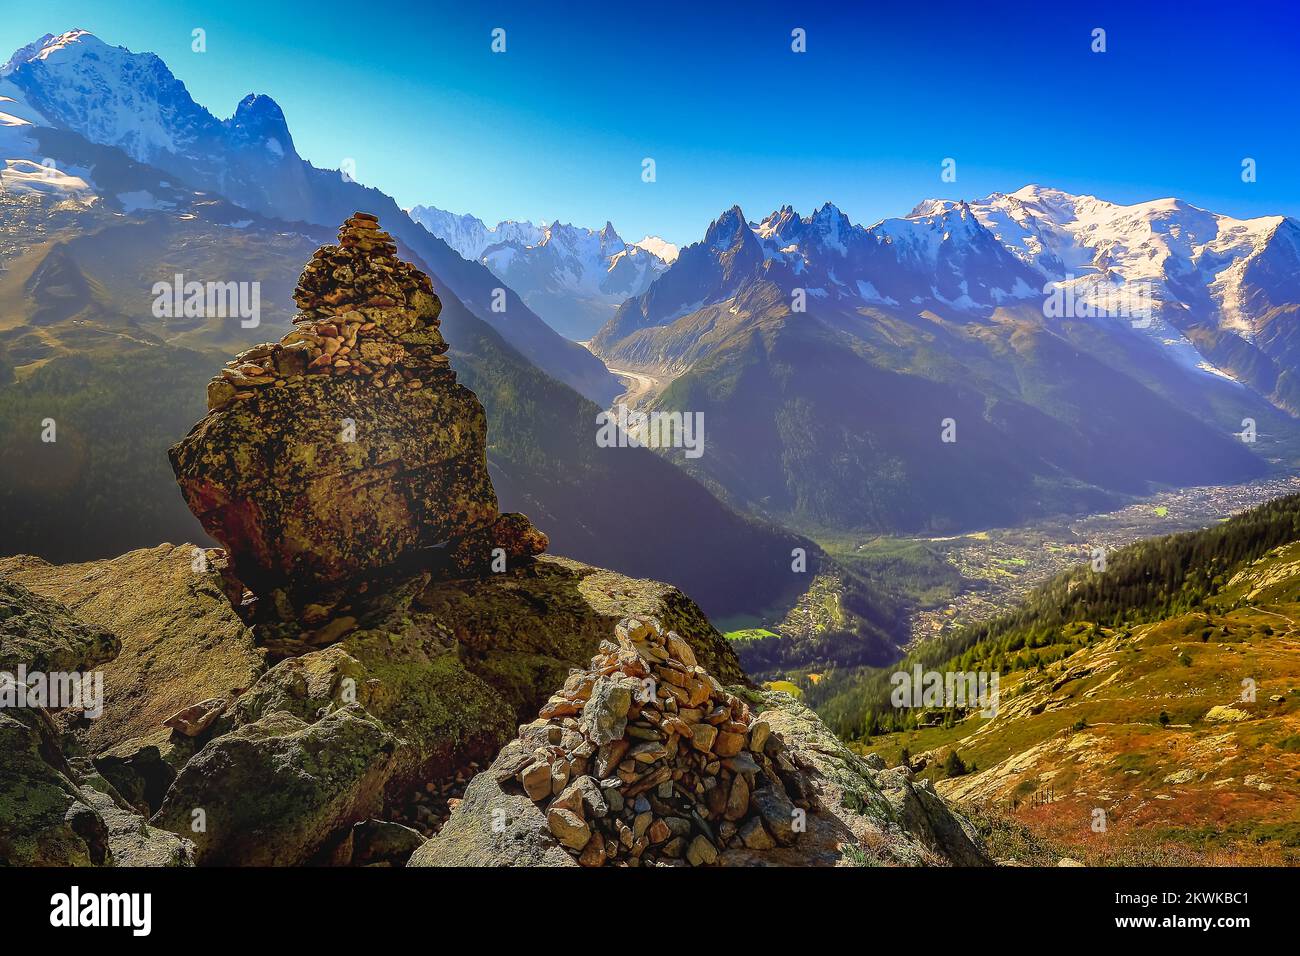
559	124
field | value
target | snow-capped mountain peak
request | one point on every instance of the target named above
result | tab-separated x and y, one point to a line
115	97
727	230
778	224
259	119
573	277
109	95
660	248
471	236
1181	252
50	44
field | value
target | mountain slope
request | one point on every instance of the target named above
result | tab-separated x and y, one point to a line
113	97
1225	289
122	385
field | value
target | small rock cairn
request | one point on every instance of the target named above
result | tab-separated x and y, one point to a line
647	760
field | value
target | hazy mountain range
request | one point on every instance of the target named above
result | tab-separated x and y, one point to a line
574	278
1083	350
828	357
110	96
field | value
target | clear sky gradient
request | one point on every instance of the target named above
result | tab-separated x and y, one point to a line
557	126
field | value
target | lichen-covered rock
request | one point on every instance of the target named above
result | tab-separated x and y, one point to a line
56	811
407	675
864	813
921	811
347	449
132	841
40	635
274	792
382	842
45	820
493	828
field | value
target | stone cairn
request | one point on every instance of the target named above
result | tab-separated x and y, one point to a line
343	462
644	759
362	312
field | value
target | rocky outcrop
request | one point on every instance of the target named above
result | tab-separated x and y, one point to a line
275	791
442	706
645	759
55	809
37	634
346	453
44	818
180	641
449	671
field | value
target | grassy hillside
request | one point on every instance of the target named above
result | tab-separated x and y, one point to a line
1144	582
1162	694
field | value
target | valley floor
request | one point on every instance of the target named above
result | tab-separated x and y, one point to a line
1001	565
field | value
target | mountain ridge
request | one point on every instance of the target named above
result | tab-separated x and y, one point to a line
113	97
1081	402
573	277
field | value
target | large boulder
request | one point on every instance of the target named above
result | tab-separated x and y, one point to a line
347	449
45	820
276	791
407	674
493	828
132	841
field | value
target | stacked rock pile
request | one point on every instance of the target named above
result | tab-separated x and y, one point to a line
645	759
363	312
340	464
